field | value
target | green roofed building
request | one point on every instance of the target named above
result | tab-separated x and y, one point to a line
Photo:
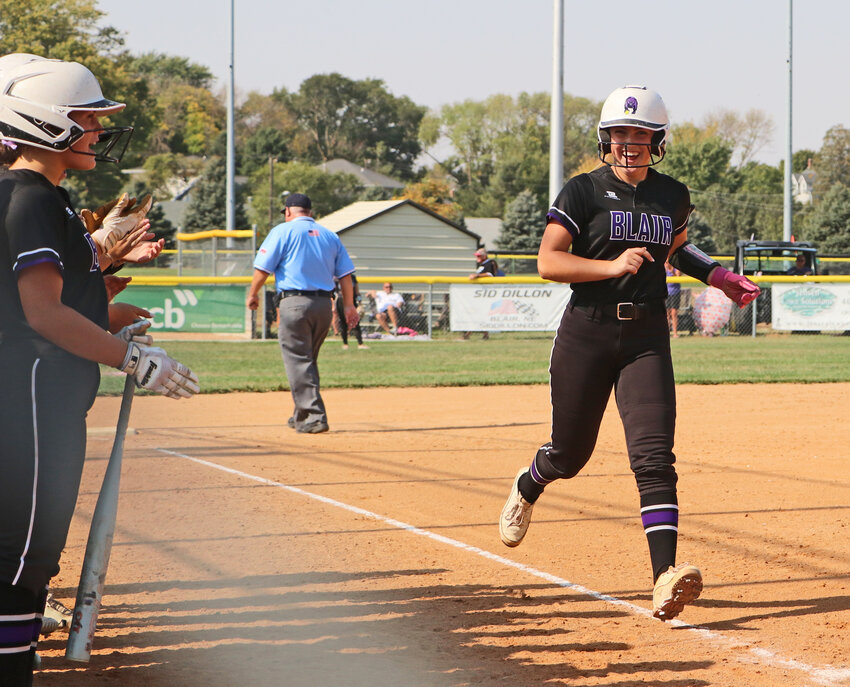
400	238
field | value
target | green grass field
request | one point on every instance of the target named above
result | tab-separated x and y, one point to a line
504	359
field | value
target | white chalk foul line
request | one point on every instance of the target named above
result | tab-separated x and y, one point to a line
824	675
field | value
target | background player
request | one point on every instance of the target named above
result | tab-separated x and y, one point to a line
609	233
54	323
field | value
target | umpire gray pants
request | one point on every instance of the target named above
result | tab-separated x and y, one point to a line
304	324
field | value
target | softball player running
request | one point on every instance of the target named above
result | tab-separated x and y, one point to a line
54	330
609	234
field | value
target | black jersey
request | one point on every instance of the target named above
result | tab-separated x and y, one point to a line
38	224
605	216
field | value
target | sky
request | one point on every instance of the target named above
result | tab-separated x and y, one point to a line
701	57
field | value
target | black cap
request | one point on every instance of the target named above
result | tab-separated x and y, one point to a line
297	200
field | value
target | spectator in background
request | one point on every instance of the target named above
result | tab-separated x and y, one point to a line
387	303
486	267
800	268
674	297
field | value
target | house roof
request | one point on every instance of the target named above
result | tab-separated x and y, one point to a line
362	211
366	177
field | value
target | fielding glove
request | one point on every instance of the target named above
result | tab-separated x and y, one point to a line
135	333
735	286
155	371
120	220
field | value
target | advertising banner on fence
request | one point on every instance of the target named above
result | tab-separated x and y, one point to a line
811	307
191	308
507	307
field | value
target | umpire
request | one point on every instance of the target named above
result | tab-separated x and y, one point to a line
304	258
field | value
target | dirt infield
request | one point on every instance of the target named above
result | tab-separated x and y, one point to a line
248	555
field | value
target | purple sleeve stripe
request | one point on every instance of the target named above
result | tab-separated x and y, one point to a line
37	257
562	219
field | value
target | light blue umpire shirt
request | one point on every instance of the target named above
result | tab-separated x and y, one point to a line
303	256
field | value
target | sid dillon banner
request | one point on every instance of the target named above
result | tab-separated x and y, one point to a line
507	307
811	307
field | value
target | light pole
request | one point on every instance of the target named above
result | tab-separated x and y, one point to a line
556	112
789	152
230	213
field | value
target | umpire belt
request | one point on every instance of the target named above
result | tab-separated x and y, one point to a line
297	292
622	311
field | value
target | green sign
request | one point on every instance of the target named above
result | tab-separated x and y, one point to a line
808	300
190	309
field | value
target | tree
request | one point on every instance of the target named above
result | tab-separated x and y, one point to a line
523	225
208	205
698	162
264	143
67	30
800	160
435	194
501	146
828	224
833	159
746	134
358	120
163	71
168	174
328	192
191	119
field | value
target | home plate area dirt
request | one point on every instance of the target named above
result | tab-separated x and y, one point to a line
246	554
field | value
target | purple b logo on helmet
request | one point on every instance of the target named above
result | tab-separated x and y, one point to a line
631	104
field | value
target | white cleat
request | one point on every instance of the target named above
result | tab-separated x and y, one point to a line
675	588
516	515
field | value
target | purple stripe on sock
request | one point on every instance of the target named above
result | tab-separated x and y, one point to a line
660	517
535	475
18	634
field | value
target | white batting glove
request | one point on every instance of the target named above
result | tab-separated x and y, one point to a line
135	333
155	371
116	226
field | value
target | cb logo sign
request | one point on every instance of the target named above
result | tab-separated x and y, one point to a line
170	316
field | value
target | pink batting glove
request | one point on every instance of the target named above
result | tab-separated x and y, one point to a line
735	286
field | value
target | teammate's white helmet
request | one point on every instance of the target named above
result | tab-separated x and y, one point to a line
634	106
38	94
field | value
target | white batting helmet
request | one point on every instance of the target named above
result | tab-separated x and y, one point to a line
634	106
38	94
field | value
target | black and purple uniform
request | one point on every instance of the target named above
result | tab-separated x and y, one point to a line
46	395
614	335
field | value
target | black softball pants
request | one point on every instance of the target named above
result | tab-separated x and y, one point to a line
43	429
592	354
42	448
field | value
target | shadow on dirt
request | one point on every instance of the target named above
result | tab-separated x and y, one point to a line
353	629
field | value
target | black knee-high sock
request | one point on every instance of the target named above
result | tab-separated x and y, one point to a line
532	483
20	625
659	513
